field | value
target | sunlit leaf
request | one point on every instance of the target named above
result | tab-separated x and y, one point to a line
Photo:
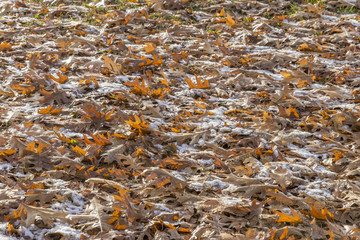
295	218
229	20
50	110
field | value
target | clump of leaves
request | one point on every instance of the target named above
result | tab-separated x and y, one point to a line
92	115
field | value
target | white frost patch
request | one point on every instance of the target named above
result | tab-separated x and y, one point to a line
232	201
225	69
196	186
74	206
206	162
318	190
60	227
178	175
59	183
242	131
301	151
106	87
160	208
5	167
331	18
184	148
217	184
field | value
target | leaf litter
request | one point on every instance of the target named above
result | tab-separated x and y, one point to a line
179	119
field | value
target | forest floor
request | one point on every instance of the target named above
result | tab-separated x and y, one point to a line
179	119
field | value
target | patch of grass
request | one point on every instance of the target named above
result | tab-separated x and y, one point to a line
160	28
154	15
268	15
346	10
320	2
293	9
214	31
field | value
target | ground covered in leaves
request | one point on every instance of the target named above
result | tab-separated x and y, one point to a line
179	119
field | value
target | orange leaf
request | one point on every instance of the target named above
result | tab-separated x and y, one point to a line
62	78
139	89
229	20
316	213
26	89
267	116
291	111
137	123
203	106
163	182
7	152
286	74
288	218
120	227
175	130
42	146
156	60
4	46
186	230
79	150
221	14
164	80
200	85
11	228
284	234
31	146
301	83
111	65
304	46
49	110
149	47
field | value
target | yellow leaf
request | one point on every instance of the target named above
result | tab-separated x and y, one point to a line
190	83
292	110
316	213
164	80
200	84
186	230
304	46
286	74
62	78
11	228
79	150
284	234
176	130
267	116
7	152
221	14
156	60
149	47
203	106
49	110
229	20
288	218
31	146
137	123
4	46
120	227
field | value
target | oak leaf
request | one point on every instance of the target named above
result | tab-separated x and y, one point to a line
288	218
200	84
49	110
111	65
149	47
